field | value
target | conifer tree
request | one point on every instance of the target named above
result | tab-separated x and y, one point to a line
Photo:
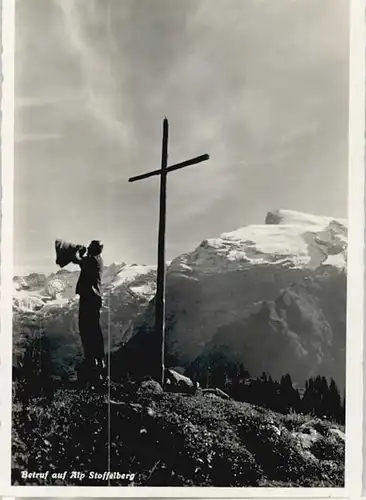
335	402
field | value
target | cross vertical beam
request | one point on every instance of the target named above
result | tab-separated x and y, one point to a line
160	284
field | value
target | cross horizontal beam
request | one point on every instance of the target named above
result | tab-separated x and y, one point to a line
187	163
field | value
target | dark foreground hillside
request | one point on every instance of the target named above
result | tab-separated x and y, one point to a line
165	439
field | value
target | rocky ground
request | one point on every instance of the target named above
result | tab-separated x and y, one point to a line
169	439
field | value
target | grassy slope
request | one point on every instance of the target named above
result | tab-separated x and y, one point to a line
173	439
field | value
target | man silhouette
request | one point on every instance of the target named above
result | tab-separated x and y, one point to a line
89	290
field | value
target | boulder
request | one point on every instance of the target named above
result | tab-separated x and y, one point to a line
338	433
216	392
306	440
176	382
149	387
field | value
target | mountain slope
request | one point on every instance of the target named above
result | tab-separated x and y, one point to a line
214	292
288	335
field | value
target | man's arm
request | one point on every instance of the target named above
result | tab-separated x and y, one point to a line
79	254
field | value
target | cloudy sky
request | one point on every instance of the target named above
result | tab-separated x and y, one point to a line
260	85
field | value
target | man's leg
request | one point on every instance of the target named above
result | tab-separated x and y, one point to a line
99	334
85	334
96	336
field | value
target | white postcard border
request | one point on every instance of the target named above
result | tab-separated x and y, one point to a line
355	297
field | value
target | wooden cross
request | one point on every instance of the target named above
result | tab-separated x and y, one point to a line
161	271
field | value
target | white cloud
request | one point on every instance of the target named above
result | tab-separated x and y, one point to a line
99	86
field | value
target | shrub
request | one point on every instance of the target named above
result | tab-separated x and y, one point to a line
328	448
33	372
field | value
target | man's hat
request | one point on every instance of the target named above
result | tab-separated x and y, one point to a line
96	244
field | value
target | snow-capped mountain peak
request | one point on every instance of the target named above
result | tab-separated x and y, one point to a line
35	291
287	238
293	217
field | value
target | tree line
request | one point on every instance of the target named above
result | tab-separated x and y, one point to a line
320	397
